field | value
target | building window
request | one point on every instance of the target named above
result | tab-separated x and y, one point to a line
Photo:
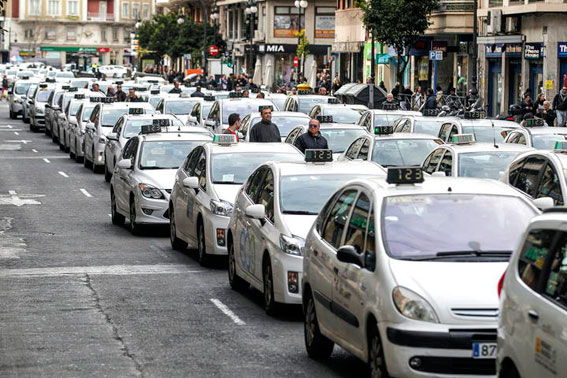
146	11
103	35
115	35
325	22
286	22
28	33
125	10
72	7
53	8
35	7
50	33
136	11
71	34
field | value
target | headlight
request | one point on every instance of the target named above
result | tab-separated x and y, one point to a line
149	191
413	306
39	110
18	101
292	245
221	207
102	139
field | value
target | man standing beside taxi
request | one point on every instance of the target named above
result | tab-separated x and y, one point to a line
265	131
312	139
233	124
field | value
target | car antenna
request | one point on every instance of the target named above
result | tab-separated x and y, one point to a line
493	134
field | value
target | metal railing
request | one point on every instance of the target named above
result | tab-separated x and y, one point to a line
96	16
455	6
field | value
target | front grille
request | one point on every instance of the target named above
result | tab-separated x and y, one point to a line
476	312
456	365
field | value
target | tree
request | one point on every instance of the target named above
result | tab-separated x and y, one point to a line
302	44
398	23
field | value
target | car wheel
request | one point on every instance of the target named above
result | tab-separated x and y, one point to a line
26	120
509	371
61	141
53	137
201	245
318	346
117	219
176	243
376	361
134	227
72	154
11	114
32	127
270	304
236	283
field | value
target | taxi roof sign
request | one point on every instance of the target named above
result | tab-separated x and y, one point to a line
473	115
225	139
65	87
79	96
333	100
390	106
72	89
404	175
150	129
325	118
383	130
104	100
235	95
154	91
135	111
209	98
318	156
463	139
561	145
430	112
43	85
161	122
535	122
304	92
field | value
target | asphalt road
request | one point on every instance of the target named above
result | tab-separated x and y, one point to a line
80	297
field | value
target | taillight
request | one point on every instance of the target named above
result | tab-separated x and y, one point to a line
501	284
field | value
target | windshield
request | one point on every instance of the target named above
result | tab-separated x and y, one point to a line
56	97
166	154
11	72
485	164
344	114
234	168
64	74
427	127
305	104
134	126
22	88
80	84
323	185
154	101
339	139
402	152
277	101
423	226
386	119
547	141
24	73
87	112
43	95
243	108
110	116
75	108
179	107
285	123
486	134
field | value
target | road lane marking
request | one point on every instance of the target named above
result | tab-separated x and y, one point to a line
63	174
84	191
17	133
18	200
34	150
24	141
46	160
227	311
110	270
10	247
29	157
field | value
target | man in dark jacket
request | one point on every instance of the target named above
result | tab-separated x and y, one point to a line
120	95
175	88
265	131
431	102
546	113
560	106
527	105
198	93
312	139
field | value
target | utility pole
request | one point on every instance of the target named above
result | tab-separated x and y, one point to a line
372	71
474	59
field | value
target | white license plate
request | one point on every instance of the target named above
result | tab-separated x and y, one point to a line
484	350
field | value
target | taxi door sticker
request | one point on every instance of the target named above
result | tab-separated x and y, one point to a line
247	251
545	355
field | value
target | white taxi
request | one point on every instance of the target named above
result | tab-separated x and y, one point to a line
535	134
532	340
206	185
179	106
341	113
484	130
285	121
375	117
143	179
402	272
217	119
272	214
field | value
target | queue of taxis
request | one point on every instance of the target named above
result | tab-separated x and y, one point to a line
537	135
286	122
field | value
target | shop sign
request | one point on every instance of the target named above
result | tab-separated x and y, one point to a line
493	50
382	58
325	26
439	46
69	49
533	51
513	49
286	25
562	50
272	49
103	49
435	55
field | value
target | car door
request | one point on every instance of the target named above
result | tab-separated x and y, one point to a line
550	185
184	200
352	281
121	190
197	199
112	145
527	180
444	131
364	151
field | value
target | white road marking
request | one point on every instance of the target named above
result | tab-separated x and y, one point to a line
34	150
30	157
10	247
115	270
17	133
24	141
227	311
19	200
84	191
63	174
6	126
110	215
46	160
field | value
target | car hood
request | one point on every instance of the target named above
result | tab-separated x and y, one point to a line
453	288
299	225
227	192
160	178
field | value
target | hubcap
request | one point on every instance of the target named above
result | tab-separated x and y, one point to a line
375	358
310	322
132	215
267	286
172	231
201	243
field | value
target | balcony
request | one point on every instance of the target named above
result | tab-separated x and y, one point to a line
96	16
455	6
452	16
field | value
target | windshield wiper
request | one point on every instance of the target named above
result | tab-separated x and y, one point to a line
458	254
142	167
299	212
227	182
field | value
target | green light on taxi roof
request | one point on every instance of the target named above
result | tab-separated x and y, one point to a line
561	145
224	139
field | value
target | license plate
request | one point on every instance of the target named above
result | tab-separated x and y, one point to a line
484	350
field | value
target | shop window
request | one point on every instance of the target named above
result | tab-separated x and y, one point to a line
71	34
286	22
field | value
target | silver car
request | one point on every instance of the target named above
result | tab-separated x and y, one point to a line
17	95
37	109
51	109
77	136
28	101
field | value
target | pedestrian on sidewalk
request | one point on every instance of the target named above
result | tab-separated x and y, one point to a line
560	106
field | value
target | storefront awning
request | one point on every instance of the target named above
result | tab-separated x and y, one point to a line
70	49
228	2
500	39
346	47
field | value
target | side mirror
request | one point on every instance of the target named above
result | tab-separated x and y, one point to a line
256	211
191	182
125	164
112	136
89	126
191	119
349	255
210	123
544	203
47	106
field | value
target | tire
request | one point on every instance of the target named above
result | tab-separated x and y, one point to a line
117	219
509	371
376	362
318	346
53	137
86	162
62	141
107	174
134	227
270	305
26	120
202	255
72	154
32	127
176	243
12	114
236	283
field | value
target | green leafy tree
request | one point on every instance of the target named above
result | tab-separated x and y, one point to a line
398	23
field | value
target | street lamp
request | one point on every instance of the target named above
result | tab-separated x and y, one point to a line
301	5
474	79
251	10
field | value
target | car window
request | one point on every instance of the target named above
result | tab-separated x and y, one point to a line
434	158
514	171
352	152
192	161
555	278
363	154
444	133
356	230
535	251
550	185
130	149
336	220
370	244
266	195
528	176
446	163
254	183
200	170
